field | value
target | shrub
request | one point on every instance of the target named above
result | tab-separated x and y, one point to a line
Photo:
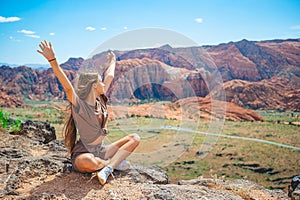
7	122
4	117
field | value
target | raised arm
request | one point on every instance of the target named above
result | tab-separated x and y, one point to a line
48	52
110	72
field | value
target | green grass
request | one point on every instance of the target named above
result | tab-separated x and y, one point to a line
281	133
40	112
6	122
267	165
275	116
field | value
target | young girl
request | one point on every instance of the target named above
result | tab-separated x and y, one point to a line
88	118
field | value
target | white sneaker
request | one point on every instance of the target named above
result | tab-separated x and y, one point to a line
104	173
124	165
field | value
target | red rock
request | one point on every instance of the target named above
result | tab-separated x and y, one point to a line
256	75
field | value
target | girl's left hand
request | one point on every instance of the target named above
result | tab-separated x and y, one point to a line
46	50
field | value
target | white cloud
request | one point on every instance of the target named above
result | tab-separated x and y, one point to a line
33	36
125	28
51	34
26	32
103	28
295	27
9	19
90	28
199	20
29	33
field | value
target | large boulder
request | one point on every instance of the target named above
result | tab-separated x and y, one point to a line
38	131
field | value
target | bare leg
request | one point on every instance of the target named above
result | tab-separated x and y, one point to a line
87	162
121	149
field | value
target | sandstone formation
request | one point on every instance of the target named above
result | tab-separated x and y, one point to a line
253	61
194	108
278	93
146	79
23	82
73	64
218	109
11	101
268	70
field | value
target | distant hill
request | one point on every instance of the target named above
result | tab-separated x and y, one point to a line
256	74
33	66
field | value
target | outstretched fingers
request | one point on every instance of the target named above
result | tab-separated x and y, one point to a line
39	52
46	44
41	45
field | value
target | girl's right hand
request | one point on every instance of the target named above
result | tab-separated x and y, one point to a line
111	57
46	50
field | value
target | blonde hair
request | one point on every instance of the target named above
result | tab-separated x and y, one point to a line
84	86
85	82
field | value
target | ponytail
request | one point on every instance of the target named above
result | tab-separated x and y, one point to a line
70	131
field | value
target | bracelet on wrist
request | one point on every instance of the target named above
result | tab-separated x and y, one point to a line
51	60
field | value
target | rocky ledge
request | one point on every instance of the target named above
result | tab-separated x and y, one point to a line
32	167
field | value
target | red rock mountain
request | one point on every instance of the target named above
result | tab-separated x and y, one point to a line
257	75
23	82
255	61
278	93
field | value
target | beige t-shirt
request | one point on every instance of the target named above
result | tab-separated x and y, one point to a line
90	121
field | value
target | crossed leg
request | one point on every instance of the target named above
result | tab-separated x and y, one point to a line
117	151
121	149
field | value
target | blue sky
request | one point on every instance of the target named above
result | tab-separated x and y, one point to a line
76	27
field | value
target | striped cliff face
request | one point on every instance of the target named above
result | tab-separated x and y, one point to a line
256	75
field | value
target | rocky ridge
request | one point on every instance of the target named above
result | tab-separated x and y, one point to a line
23	82
277	93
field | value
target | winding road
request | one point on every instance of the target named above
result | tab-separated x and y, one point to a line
231	136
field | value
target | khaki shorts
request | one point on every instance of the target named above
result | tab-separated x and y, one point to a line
79	148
